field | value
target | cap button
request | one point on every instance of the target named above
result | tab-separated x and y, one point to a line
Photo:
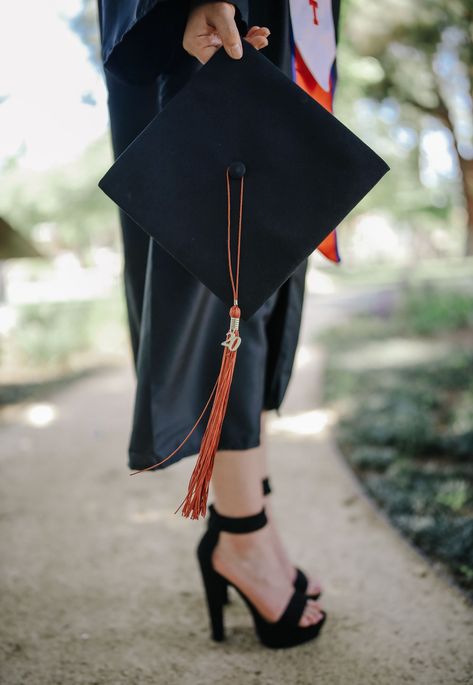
237	169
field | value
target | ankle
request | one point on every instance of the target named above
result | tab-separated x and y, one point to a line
237	510
239	534
243	544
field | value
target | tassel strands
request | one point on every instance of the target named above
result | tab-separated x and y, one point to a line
195	502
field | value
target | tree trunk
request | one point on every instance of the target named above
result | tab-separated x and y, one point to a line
466	167
466	170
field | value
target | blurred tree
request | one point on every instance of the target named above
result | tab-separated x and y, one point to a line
86	25
424	51
63	203
12	246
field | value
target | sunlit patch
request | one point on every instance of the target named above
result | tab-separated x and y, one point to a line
8	319
304	355
62	123
308	423
319	282
41	415
394	353
166	518
149	516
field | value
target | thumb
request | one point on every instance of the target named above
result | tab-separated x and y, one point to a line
227	29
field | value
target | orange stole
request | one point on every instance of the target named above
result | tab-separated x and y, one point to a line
328	247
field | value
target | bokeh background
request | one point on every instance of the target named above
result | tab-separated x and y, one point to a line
399	337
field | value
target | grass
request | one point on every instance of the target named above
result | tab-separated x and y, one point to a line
56	341
406	424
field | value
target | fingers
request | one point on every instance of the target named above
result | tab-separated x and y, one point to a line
224	22
258	42
258	36
261	30
212	25
205	46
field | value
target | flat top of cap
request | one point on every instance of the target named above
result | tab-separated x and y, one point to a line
303	171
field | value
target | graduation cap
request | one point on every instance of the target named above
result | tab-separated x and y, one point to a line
239	178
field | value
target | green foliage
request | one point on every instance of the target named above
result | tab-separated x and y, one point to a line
425	309
408	67
86	26
430	310
66	198
421	411
433	509
373	457
404	37
408	430
50	334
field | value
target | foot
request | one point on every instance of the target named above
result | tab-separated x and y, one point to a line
250	561
313	587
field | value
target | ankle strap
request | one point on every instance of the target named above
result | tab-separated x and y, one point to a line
266	486
237	524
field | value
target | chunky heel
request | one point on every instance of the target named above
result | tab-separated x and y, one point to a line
215	592
283	633
215	586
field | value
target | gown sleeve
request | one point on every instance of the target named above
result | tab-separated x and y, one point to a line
139	38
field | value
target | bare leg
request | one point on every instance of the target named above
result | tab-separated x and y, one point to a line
313	587
236	482
249	559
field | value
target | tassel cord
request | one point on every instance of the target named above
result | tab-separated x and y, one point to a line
196	498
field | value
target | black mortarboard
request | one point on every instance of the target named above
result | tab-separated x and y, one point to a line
242	146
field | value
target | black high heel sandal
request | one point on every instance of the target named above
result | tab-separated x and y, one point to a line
285	632
300	581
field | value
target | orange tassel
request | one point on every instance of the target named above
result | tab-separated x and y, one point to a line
195	503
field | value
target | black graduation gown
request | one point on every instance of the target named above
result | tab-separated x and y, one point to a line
176	323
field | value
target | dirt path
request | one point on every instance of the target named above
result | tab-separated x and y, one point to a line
100	584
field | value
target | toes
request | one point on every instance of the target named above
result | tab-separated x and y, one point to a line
312	614
317	617
309	620
313	588
305	621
